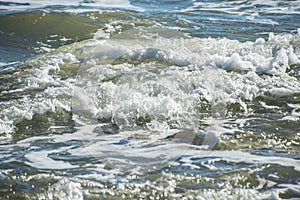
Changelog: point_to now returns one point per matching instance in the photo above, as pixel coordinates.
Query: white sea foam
(218, 70)
(39, 159)
(64, 189)
(249, 7)
(110, 170)
(170, 92)
(239, 156)
(52, 98)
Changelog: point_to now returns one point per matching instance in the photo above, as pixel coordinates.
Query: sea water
(147, 99)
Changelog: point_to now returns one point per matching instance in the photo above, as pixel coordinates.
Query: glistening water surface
(147, 99)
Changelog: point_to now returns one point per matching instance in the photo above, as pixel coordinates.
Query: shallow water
(149, 99)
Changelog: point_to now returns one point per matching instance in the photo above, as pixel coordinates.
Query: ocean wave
(149, 77)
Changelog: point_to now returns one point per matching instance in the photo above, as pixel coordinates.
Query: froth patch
(144, 76)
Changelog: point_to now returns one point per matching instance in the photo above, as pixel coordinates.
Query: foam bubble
(64, 189)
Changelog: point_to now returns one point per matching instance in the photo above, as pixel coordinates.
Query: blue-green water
(149, 99)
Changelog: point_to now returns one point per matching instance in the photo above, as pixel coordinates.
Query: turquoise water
(149, 99)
